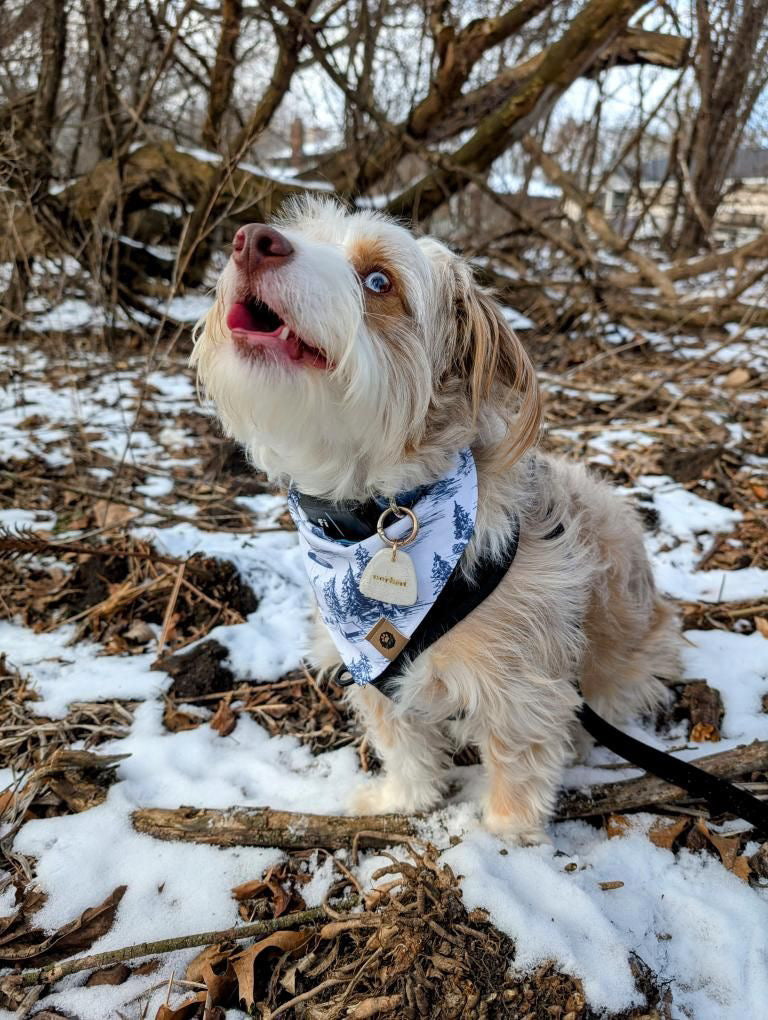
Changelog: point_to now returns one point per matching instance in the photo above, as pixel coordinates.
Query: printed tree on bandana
(332, 599)
(360, 669)
(441, 571)
(362, 558)
(350, 595)
(462, 528)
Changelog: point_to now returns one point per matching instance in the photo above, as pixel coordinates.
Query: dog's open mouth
(259, 331)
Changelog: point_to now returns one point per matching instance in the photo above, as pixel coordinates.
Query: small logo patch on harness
(387, 639)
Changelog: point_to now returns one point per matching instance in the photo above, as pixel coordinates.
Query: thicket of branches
(136, 134)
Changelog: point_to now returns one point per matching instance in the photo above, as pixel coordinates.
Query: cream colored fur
(430, 371)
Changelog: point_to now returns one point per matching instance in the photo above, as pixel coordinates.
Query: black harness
(459, 597)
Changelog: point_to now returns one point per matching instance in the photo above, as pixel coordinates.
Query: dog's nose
(257, 246)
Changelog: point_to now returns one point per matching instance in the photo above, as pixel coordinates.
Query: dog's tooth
(284, 333)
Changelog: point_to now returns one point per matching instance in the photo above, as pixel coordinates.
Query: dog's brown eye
(377, 282)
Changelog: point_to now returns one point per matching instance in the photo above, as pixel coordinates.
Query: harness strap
(457, 600)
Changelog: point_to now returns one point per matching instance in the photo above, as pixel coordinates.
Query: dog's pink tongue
(240, 317)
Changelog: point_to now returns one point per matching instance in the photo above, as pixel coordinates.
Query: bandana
(368, 633)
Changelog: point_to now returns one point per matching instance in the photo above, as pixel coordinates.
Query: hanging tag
(390, 577)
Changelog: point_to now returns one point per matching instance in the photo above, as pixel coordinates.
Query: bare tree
(731, 71)
(223, 74)
(446, 119)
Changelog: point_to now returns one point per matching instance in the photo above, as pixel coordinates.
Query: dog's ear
(493, 361)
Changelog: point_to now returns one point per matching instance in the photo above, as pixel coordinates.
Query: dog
(353, 360)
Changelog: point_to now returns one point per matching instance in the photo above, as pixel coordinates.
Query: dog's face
(348, 356)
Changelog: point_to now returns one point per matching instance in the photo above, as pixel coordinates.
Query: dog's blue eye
(378, 282)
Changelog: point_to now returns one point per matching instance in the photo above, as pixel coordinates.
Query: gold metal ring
(403, 511)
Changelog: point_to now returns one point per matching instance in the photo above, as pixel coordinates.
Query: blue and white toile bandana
(446, 512)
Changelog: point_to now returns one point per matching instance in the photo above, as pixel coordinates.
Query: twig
(48, 975)
(170, 607)
(306, 995)
(261, 826)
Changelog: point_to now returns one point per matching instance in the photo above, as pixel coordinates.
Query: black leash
(721, 794)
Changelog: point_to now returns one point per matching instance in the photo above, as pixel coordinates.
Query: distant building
(743, 212)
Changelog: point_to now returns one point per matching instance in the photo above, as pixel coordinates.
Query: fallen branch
(48, 975)
(594, 28)
(634, 47)
(260, 826)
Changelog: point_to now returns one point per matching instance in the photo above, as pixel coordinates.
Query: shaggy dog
(351, 359)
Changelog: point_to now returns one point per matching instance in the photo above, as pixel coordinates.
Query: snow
(690, 917)
(62, 672)
(699, 928)
(685, 518)
(714, 655)
(516, 319)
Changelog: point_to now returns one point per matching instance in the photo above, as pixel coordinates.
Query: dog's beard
(335, 431)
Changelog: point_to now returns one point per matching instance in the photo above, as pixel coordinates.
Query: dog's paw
(387, 796)
(517, 835)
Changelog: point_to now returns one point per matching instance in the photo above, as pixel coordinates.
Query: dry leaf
(224, 720)
(664, 835)
(107, 513)
(188, 1010)
(243, 963)
(7, 798)
(254, 890)
(702, 731)
(736, 377)
(727, 846)
(71, 938)
(761, 624)
(177, 721)
(209, 957)
(115, 975)
(741, 867)
(220, 986)
(611, 885)
(617, 825)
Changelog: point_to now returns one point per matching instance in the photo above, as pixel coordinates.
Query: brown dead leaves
(703, 707)
(245, 963)
(413, 951)
(688, 833)
(125, 595)
(277, 893)
(21, 943)
(203, 684)
(234, 978)
(696, 835)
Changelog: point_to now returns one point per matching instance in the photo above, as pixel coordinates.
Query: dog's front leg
(523, 779)
(412, 752)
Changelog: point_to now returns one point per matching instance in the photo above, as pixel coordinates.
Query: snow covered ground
(697, 926)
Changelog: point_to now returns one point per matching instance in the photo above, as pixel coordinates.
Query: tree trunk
(40, 141)
(730, 76)
(223, 75)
